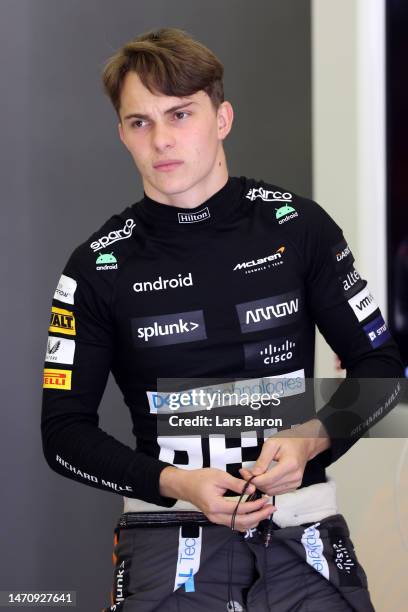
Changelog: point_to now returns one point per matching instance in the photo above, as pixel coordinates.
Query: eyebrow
(167, 112)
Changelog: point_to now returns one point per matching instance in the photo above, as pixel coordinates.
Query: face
(156, 128)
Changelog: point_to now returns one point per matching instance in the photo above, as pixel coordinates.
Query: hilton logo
(194, 217)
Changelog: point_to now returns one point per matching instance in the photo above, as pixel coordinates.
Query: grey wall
(64, 171)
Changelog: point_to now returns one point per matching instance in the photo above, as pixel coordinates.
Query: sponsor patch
(194, 217)
(114, 236)
(273, 354)
(313, 545)
(169, 329)
(65, 289)
(214, 396)
(344, 558)
(285, 213)
(106, 261)
(263, 263)
(57, 379)
(377, 332)
(269, 312)
(60, 350)
(62, 321)
(363, 304)
(351, 282)
(268, 195)
(188, 557)
(164, 283)
(342, 255)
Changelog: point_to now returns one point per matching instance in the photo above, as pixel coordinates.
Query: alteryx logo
(268, 196)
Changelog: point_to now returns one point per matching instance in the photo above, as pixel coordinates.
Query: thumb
(237, 484)
(267, 454)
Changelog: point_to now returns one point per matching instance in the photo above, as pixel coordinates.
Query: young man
(212, 276)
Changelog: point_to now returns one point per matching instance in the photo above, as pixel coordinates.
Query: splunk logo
(268, 195)
(269, 312)
(114, 236)
(164, 283)
(169, 329)
(265, 262)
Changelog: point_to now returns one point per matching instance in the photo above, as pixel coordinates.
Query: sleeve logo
(363, 304)
(60, 350)
(65, 289)
(62, 321)
(57, 379)
(114, 236)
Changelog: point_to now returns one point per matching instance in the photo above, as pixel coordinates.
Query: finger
(228, 506)
(236, 484)
(249, 521)
(268, 452)
(244, 522)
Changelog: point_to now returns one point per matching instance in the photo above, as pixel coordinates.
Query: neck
(194, 194)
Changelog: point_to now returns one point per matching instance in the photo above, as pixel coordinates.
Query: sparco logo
(194, 217)
(269, 312)
(169, 329)
(268, 196)
(160, 283)
(276, 258)
(114, 236)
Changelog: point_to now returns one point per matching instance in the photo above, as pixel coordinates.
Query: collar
(207, 214)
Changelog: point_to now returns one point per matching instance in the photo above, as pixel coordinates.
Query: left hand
(291, 452)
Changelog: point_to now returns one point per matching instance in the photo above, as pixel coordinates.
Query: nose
(162, 136)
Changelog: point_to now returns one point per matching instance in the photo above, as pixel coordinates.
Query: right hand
(205, 489)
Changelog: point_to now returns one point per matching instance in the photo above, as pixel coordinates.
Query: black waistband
(161, 519)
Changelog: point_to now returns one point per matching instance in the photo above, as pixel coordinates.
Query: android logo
(284, 210)
(105, 258)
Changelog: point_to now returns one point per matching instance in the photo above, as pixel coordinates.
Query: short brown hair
(167, 61)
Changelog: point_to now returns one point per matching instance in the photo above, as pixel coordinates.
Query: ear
(225, 117)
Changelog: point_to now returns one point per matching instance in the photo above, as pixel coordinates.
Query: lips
(167, 162)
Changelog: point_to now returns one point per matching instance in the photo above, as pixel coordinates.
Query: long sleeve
(79, 355)
(351, 322)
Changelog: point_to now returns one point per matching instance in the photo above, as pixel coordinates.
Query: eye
(181, 113)
(135, 123)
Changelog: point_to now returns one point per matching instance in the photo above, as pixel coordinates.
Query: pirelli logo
(57, 379)
(62, 321)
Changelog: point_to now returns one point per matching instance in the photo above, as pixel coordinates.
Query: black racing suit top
(230, 288)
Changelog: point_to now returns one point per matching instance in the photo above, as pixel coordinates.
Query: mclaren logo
(274, 257)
